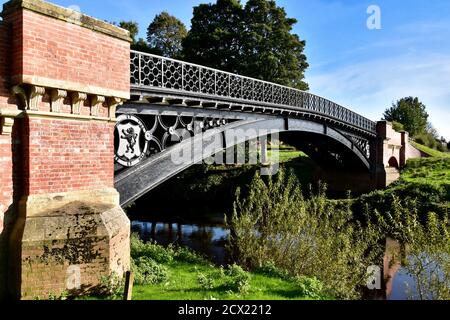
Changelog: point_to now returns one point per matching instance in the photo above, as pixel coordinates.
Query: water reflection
(209, 238)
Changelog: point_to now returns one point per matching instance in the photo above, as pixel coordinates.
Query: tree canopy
(411, 113)
(166, 34)
(255, 40)
(132, 27)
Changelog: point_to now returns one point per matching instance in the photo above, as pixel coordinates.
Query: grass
(434, 171)
(425, 180)
(183, 285)
(431, 152)
(286, 155)
(189, 276)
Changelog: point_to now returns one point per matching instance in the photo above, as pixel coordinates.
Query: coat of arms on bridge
(131, 140)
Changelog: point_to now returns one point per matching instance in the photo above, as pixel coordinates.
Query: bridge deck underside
(326, 140)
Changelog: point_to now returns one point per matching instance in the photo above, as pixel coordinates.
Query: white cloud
(370, 87)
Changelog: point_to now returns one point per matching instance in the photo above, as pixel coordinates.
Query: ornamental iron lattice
(138, 137)
(155, 73)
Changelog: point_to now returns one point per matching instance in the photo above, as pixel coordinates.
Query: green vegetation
(183, 275)
(234, 37)
(335, 241)
(409, 112)
(429, 151)
(285, 155)
(426, 181)
(165, 34)
(305, 236)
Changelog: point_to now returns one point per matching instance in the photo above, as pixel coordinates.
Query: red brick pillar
(68, 72)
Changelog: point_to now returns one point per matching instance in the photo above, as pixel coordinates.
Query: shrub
(237, 280)
(147, 271)
(205, 281)
(150, 250)
(270, 269)
(310, 287)
(112, 286)
(183, 254)
(304, 236)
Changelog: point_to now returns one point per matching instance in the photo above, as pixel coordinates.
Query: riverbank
(176, 273)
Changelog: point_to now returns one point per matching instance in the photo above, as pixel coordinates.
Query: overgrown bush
(150, 250)
(206, 282)
(147, 271)
(428, 259)
(238, 280)
(270, 269)
(430, 141)
(183, 254)
(311, 237)
(112, 286)
(310, 287)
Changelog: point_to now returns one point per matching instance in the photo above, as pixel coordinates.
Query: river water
(208, 236)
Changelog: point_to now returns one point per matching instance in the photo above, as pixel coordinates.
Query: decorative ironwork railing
(176, 77)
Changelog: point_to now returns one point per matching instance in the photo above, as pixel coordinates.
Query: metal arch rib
(135, 182)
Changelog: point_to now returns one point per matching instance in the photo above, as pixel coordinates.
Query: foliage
(238, 280)
(428, 260)
(188, 270)
(397, 126)
(166, 34)
(310, 287)
(150, 250)
(271, 51)
(270, 269)
(255, 40)
(112, 286)
(428, 140)
(206, 281)
(132, 27)
(147, 271)
(411, 113)
(183, 254)
(430, 152)
(312, 237)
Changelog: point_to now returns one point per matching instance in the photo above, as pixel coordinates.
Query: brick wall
(68, 56)
(66, 155)
(6, 103)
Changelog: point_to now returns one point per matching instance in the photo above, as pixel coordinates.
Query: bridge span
(173, 100)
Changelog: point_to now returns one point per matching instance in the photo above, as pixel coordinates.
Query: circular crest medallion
(130, 140)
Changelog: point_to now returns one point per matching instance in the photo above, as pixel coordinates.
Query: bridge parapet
(174, 79)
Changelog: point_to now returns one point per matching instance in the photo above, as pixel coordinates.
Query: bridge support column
(388, 154)
(67, 74)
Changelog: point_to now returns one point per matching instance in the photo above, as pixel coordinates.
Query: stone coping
(67, 15)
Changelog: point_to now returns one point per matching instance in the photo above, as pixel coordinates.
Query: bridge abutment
(62, 75)
(392, 152)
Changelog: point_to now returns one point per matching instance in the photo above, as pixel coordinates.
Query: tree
(431, 130)
(166, 34)
(140, 44)
(411, 113)
(271, 51)
(215, 38)
(255, 40)
(132, 27)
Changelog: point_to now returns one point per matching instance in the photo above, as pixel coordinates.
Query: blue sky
(365, 70)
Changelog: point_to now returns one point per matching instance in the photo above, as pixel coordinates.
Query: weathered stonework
(70, 249)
